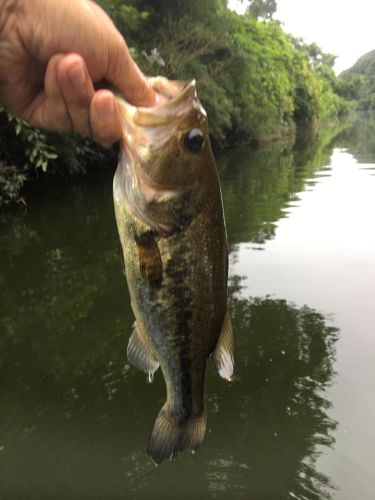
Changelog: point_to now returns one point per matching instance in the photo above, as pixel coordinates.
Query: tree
(263, 9)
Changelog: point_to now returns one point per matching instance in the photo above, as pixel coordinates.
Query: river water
(299, 421)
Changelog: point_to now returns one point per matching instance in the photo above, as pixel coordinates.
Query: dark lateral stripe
(182, 301)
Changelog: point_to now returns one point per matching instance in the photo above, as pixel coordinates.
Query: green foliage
(125, 15)
(37, 151)
(350, 87)
(364, 66)
(11, 182)
(358, 83)
(263, 9)
(26, 151)
(254, 80)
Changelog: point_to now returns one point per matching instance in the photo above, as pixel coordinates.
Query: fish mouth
(147, 129)
(181, 98)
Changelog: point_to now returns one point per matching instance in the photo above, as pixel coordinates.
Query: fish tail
(172, 434)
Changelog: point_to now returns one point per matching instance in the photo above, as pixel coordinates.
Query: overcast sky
(341, 27)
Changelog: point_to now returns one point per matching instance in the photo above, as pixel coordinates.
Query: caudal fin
(172, 434)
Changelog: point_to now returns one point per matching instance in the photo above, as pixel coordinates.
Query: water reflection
(358, 137)
(258, 185)
(285, 361)
(72, 407)
(267, 430)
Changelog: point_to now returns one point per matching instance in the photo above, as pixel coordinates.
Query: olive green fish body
(170, 219)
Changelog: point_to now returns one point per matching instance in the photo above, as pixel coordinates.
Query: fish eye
(194, 140)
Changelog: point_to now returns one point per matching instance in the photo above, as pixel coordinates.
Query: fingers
(48, 109)
(105, 118)
(78, 91)
(69, 103)
(92, 114)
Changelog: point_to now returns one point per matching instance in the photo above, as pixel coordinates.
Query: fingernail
(106, 107)
(77, 75)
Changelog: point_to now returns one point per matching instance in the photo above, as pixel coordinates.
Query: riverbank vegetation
(357, 83)
(256, 82)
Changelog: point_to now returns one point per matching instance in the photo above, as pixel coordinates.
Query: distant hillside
(358, 82)
(364, 66)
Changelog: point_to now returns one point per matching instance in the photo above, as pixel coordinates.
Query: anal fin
(140, 355)
(223, 354)
(150, 263)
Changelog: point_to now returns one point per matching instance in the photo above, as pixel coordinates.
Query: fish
(170, 219)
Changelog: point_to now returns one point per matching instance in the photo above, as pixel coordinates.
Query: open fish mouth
(151, 127)
(181, 96)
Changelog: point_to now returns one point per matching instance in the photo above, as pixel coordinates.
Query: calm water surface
(299, 424)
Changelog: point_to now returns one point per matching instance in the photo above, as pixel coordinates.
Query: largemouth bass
(170, 221)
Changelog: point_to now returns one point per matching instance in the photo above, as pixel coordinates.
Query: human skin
(52, 52)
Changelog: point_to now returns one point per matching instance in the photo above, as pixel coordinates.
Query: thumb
(126, 76)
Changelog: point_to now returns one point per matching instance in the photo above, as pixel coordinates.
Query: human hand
(52, 52)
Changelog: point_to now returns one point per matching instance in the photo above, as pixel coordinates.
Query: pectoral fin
(140, 355)
(150, 263)
(223, 354)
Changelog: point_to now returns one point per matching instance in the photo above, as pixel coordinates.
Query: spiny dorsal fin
(150, 263)
(140, 355)
(223, 354)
